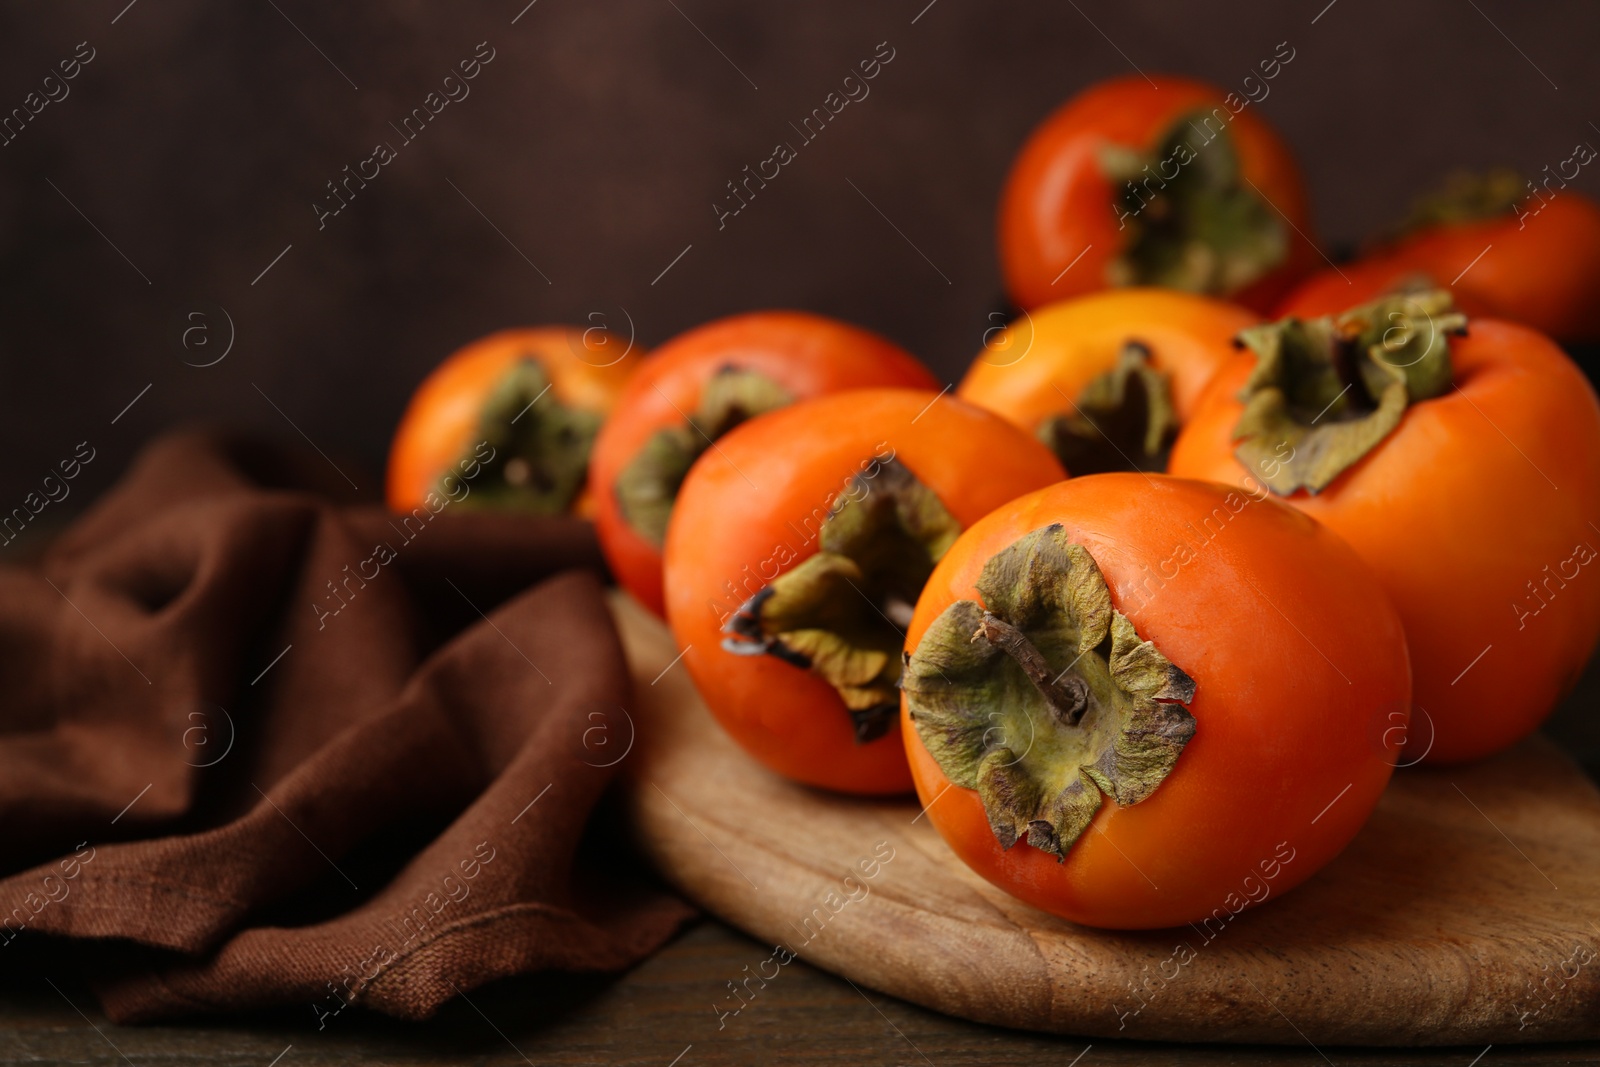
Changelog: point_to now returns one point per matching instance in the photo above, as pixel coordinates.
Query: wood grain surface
(658, 1014)
(1463, 913)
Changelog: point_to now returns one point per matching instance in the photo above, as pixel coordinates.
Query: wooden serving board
(1466, 912)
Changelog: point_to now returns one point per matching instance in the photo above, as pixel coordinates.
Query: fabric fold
(297, 750)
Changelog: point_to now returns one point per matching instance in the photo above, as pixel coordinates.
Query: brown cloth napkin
(271, 749)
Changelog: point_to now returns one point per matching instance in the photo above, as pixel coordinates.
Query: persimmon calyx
(1464, 197)
(1123, 419)
(648, 485)
(1193, 222)
(541, 446)
(841, 613)
(1325, 391)
(1063, 706)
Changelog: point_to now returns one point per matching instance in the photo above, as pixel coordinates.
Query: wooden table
(659, 1011)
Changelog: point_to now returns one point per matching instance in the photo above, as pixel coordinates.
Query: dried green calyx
(541, 446)
(1122, 420)
(1325, 391)
(1043, 698)
(1192, 220)
(648, 485)
(1464, 197)
(842, 613)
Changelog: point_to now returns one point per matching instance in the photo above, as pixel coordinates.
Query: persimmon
(700, 385)
(1137, 701)
(796, 551)
(1504, 249)
(1461, 460)
(1163, 182)
(534, 397)
(1106, 379)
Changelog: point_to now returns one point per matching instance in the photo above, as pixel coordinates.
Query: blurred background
(160, 212)
(171, 188)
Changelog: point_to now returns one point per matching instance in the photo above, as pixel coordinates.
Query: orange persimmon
(513, 416)
(1139, 701)
(1503, 249)
(796, 551)
(1106, 379)
(1164, 182)
(1459, 458)
(700, 385)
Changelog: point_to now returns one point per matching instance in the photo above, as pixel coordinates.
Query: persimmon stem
(536, 463)
(842, 612)
(1066, 694)
(1043, 755)
(1121, 420)
(1326, 391)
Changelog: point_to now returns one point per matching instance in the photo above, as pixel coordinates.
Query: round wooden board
(1464, 913)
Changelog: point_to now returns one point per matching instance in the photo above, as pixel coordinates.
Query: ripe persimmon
(535, 397)
(796, 551)
(1461, 459)
(1162, 182)
(1139, 701)
(1504, 249)
(700, 385)
(1106, 379)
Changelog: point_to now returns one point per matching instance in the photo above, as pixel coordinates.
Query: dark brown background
(596, 142)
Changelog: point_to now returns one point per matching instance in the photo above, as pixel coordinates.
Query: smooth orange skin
(1454, 513)
(1056, 202)
(1281, 728)
(1043, 360)
(439, 423)
(809, 355)
(1543, 272)
(769, 483)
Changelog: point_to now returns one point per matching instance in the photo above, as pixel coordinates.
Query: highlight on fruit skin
(508, 422)
(1106, 379)
(702, 384)
(1165, 181)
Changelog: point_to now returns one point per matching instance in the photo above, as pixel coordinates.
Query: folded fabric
(268, 747)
